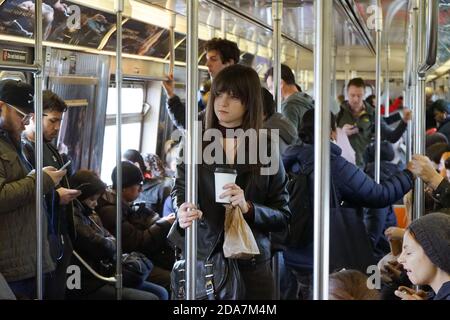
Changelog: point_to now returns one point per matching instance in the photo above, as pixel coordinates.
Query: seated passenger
(426, 256)
(98, 247)
(441, 112)
(157, 185)
(156, 190)
(142, 229)
(136, 158)
(351, 285)
(434, 138)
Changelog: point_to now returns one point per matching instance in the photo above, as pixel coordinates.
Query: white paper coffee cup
(223, 176)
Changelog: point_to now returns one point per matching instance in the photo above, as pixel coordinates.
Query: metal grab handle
(431, 37)
(21, 67)
(92, 271)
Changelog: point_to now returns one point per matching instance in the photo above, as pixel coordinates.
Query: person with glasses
(143, 230)
(59, 202)
(18, 194)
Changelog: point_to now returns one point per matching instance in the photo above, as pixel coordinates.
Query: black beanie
(131, 175)
(432, 232)
(88, 183)
(17, 93)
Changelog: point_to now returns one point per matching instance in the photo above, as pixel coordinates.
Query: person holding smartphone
(59, 203)
(18, 194)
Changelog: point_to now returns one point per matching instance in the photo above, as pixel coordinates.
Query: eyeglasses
(25, 117)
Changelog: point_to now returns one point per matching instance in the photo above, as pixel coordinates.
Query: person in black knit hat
(98, 247)
(426, 256)
(143, 230)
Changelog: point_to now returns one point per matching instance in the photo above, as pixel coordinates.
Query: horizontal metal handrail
(21, 67)
(92, 271)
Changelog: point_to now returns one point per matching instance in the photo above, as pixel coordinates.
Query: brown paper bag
(239, 242)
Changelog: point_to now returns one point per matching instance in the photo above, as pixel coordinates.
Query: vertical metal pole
(191, 139)
(412, 75)
(407, 84)
(119, 285)
(333, 107)
(170, 5)
(322, 93)
(173, 18)
(379, 26)
(386, 81)
(277, 12)
(419, 114)
(39, 138)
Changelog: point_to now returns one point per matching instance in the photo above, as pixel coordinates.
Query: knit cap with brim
(432, 232)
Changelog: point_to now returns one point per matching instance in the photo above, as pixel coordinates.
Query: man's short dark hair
(357, 82)
(441, 106)
(269, 105)
(286, 75)
(52, 102)
(435, 151)
(227, 49)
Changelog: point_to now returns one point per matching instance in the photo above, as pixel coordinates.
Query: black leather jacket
(267, 194)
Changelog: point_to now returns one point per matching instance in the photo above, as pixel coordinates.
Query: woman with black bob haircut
(235, 103)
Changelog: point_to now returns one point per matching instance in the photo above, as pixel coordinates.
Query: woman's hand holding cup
(237, 197)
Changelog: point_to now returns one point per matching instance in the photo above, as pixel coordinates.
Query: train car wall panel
(79, 76)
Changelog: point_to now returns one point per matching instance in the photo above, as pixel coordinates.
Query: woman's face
(229, 110)
(91, 202)
(418, 266)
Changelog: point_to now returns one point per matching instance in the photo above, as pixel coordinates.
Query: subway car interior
(355, 101)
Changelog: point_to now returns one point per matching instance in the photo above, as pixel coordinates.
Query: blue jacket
(378, 220)
(351, 183)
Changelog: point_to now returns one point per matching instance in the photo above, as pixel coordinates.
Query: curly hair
(155, 165)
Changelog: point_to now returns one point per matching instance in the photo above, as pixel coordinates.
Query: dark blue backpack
(301, 226)
(300, 231)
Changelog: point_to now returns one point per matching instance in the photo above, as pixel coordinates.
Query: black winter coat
(95, 245)
(267, 193)
(142, 230)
